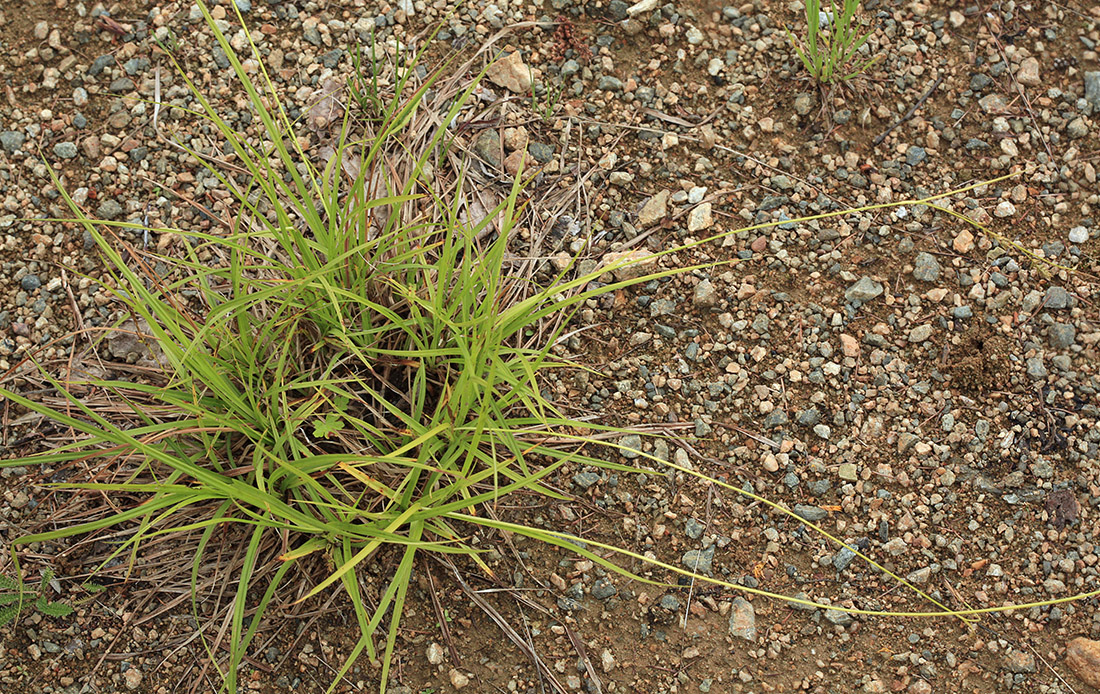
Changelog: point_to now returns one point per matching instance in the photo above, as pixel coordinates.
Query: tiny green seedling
(13, 597)
(828, 50)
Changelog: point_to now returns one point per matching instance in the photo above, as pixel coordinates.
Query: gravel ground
(926, 391)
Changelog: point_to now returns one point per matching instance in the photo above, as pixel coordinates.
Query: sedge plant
(831, 42)
(350, 377)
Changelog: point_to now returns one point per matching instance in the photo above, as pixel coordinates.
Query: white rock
(641, 7)
(1029, 73)
(1005, 209)
(654, 210)
(459, 679)
(435, 653)
(607, 661)
(700, 218)
(132, 678)
(1078, 235)
(511, 73)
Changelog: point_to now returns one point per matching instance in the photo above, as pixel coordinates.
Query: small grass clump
(347, 375)
(832, 42)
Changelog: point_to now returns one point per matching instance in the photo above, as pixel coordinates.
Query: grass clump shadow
(353, 367)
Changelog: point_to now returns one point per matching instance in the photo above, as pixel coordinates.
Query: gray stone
(609, 83)
(705, 294)
(603, 589)
(100, 64)
(802, 595)
(915, 155)
(541, 151)
(487, 147)
(693, 529)
(838, 618)
(803, 104)
(775, 418)
(810, 417)
(980, 81)
(1035, 368)
(920, 333)
(631, 446)
(1062, 335)
(1057, 298)
(122, 85)
(812, 514)
(843, 558)
(863, 290)
(743, 620)
(109, 209)
(65, 150)
(584, 480)
(699, 560)
(30, 283)
(1092, 88)
(618, 10)
(1077, 129)
(12, 141)
(926, 268)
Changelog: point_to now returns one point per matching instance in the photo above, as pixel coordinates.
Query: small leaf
(93, 588)
(7, 583)
(55, 609)
(8, 613)
(331, 424)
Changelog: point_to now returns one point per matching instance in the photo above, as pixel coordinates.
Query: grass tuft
(831, 42)
(346, 377)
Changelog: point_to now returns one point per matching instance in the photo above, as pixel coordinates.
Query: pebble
(863, 290)
(705, 294)
(65, 150)
(1062, 335)
(1057, 298)
(459, 679)
(642, 7)
(1078, 234)
(132, 678)
(700, 218)
(487, 147)
(839, 618)
(511, 73)
(12, 141)
(1019, 661)
(812, 514)
(920, 333)
(926, 268)
(699, 560)
(1092, 88)
(803, 104)
(434, 653)
(964, 242)
(1028, 74)
(742, 623)
(654, 210)
(631, 446)
(1083, 657)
